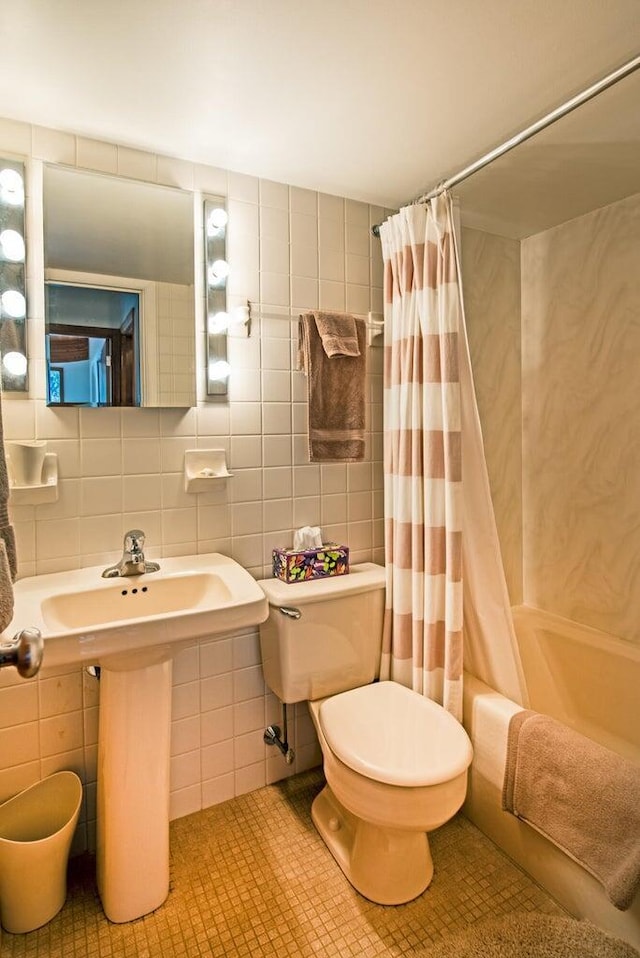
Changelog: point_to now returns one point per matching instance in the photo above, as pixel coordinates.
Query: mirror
(119, 291)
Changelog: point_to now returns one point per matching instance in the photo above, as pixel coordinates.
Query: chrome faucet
(133, 561)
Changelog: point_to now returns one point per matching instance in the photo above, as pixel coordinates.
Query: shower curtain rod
(598, 87)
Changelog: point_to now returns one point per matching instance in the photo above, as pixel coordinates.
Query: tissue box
(299, 565)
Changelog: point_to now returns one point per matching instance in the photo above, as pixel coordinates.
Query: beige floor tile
(252, 877)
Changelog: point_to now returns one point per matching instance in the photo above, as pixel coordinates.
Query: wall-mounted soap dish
(33, 473)
(203, 467)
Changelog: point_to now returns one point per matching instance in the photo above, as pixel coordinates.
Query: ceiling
(363, 98)
(588, 159)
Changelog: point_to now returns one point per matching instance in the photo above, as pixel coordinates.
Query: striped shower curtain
(422, 644)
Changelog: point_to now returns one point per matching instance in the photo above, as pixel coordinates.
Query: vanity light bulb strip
(13, 303)
(217, 271)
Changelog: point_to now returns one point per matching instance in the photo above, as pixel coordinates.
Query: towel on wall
(338, 333)
(336, 385)
(580, 795)
(8, 558)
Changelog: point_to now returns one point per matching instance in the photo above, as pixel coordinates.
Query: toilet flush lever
(290, 611)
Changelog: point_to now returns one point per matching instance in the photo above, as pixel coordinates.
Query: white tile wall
(290, 250)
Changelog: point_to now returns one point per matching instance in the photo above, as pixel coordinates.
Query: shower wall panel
(491, 283)
(581, 406)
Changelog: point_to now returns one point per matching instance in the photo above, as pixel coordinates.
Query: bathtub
(588, 680)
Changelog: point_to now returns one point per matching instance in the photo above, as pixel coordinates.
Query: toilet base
(389, 866)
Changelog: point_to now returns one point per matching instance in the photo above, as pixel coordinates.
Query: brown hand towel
(338, 333)
(580, 795)
(8, 559)
(335, 393)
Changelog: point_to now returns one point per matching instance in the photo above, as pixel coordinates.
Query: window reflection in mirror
(119, 273)
(92, 344)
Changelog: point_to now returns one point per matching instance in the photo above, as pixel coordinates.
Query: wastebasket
(36, 828)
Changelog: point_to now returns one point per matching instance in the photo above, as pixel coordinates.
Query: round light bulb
(12, 246)
(219, 322)
(219, 371)
(218, 272)
(241, 315)
(15, 363)
(11, 187)
(217, 221)
(13, 303)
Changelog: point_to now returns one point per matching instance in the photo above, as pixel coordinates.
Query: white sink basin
(132, 622)
(175, 593)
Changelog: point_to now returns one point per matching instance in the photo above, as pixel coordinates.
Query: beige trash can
(36, 828)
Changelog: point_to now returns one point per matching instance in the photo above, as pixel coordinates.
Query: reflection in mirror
(13, 303)
(119, 302)
(92, 346)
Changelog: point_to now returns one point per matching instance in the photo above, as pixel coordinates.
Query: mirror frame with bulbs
(13, 308)
(13, 298)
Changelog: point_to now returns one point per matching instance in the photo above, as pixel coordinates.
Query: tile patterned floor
(251, 877)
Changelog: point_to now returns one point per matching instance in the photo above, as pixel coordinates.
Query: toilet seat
(391, 734)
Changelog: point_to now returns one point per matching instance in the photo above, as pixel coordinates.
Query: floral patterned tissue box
(299, 565)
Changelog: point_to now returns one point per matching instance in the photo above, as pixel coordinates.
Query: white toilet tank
(323, 636)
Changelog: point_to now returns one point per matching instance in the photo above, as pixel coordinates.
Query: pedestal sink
(132, 627)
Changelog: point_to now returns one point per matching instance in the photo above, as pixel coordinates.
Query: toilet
(395, 762)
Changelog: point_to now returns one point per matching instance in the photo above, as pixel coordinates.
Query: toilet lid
(391, 734)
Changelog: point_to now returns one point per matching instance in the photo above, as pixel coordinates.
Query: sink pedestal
(133, 790)
(132, 627)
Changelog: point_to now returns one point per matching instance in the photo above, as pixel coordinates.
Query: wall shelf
(37, 493)
(204, 468)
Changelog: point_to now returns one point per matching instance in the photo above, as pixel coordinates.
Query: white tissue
(308, 537)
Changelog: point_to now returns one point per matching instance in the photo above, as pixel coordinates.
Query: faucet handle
(134, 540)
